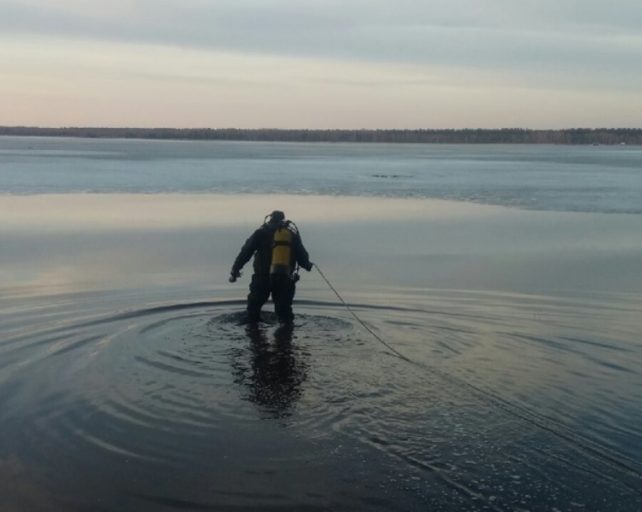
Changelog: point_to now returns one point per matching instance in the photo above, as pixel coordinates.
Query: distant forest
(609, 136)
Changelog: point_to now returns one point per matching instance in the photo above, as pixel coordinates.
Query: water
(128, 380)
(561, 178)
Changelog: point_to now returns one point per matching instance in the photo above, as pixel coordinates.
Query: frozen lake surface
(561, 178)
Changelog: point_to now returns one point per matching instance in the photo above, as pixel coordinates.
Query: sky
(321, 63)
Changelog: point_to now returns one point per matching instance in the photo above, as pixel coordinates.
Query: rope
(541, 421)
(363, 324)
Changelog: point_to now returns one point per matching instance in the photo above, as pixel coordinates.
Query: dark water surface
(507, 402)
(129, 382)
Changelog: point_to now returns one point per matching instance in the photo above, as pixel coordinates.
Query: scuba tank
(281, 262)
(282, 257)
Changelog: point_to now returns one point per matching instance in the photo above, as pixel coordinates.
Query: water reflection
(271, 370)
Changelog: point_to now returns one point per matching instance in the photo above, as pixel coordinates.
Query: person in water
(277, 250)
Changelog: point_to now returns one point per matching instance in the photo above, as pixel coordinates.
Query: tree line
(609, 136)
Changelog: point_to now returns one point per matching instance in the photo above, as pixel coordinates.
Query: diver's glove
(309, 266)
(234, 275)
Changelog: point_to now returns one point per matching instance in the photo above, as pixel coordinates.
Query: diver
(278, 252)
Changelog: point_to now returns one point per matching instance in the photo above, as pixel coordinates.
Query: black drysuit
(281, 286)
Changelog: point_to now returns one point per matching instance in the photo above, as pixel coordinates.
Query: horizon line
(266, 128)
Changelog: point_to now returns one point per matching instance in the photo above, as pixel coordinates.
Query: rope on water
(363, 324)
(541, 421)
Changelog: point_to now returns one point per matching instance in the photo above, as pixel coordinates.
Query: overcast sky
(321, 63)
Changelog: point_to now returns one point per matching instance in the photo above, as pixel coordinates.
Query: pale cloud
(311, 63)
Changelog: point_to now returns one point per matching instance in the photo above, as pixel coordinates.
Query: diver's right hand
(234, 275)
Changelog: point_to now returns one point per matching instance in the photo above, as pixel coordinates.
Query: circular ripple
(191, 386)
(168, 373)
